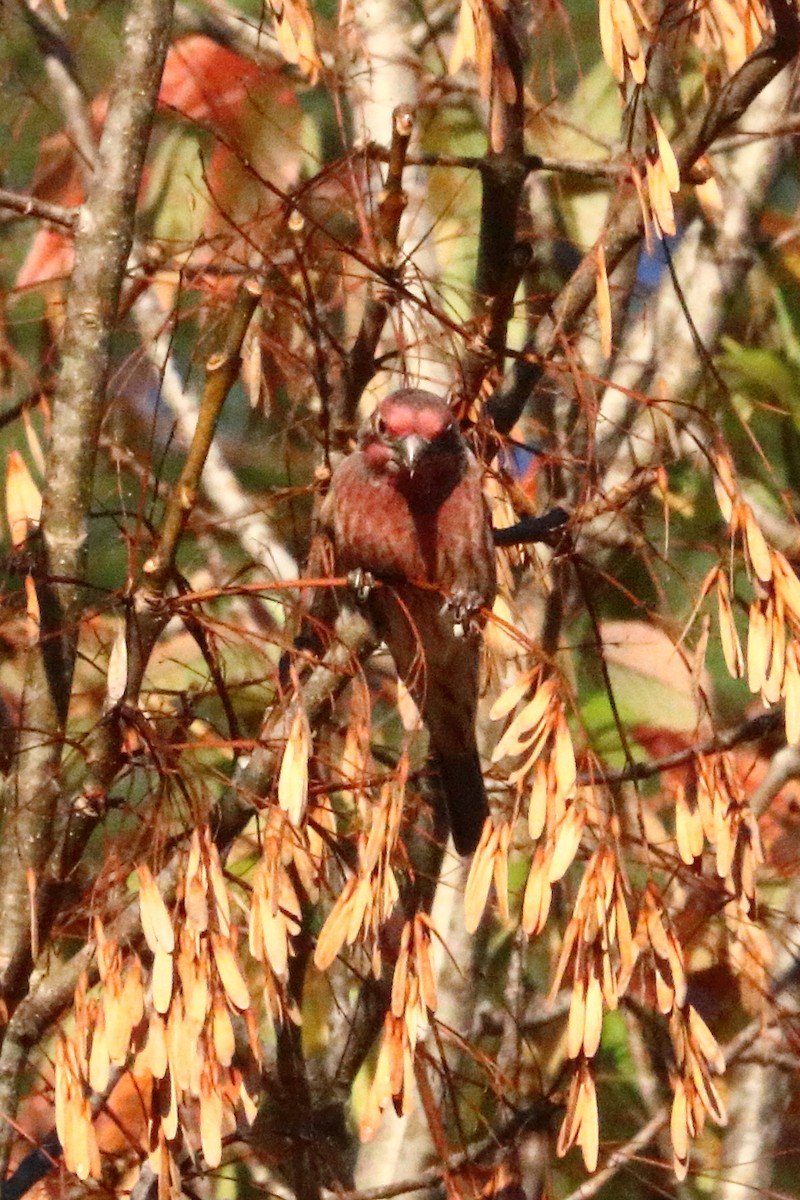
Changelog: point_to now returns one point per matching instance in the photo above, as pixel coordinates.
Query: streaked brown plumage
(408, 505)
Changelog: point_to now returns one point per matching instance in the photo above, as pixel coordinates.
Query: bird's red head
(411, 431)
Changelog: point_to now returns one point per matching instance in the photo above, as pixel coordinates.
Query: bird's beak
(411, 448)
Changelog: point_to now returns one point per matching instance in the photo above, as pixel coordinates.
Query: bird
(406, 510)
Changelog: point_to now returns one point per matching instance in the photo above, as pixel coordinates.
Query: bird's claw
(464, 608)
(362, 582)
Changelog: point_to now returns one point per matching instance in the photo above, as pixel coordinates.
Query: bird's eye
(380, 426)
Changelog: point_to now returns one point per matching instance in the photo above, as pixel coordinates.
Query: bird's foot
(464, 608)
(362, 582)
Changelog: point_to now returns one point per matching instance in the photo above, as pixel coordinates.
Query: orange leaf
(23, 499)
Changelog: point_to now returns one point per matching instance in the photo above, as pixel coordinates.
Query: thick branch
(380, 299)
(102, 245)
(105, 232)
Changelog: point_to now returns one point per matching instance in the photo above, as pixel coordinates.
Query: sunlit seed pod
(629, 34)
(290, 907)
(211, 1126)
(707, 1092)
(566, 772)
(725, 487)
(537, 802)
(179, 1064)
(757, 550)
(255, 926)
(556, 804)
(656, 932)
(589, 1136)
(378, 833)
(396, 1047)
(675, 958)
(230, 975)
(759, 646)
(666, 154)
(567, 840)
(665, 996)
(196, 904)
(61, 1088)
(361, 908)
(611, 41)
(660, 197)
(293, 774)
(479, 879)
(678, 1036)
(117, 673)
(678, 1127)
(587, 907)
(156, 921)
(509, 699)
(220, 891)
(133, 993)
(196, 995)
(688, 829)
(276, 943)
(593, 1019)
(425, 971)
(628, 951)
(334, 931)
(749, 861)
(534, 751)
(607, 920)
(696, 1109)
(391, 893)
(414, 1014)
(725, 849)
(787, 582)
(608, 981)
(121, 1019)
(162, 979)
(224, 1040)
(570, 938)
(77, 1135)
(99, 1065)
(570, 1124)
(309, 860)
(577, 1018)
(706, 788)
(529, 722)
(249, 1105)
(538, 895)
(705, 1041)
(106, 949)
(731, 646)
(194, 866)
(157, 1046)
(400, 977)
(500, 870)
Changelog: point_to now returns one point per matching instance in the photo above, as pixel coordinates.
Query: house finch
(407, 506)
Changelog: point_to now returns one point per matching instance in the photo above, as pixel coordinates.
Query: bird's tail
(465, 796)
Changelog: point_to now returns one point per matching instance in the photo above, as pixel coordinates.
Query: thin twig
(40, 210)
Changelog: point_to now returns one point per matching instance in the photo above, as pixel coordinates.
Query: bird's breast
(374, 528)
